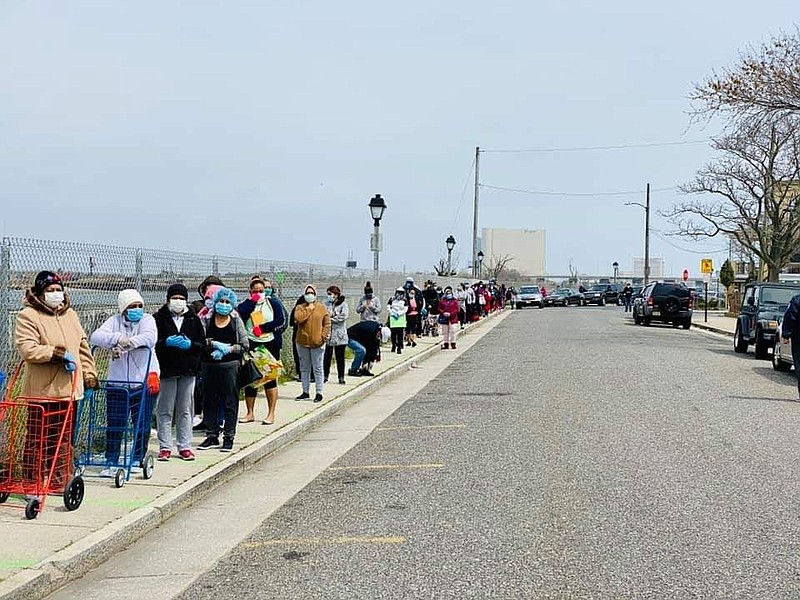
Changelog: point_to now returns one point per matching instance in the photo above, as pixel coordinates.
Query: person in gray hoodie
(369, 307)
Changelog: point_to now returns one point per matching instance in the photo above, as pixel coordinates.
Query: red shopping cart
(36, 448)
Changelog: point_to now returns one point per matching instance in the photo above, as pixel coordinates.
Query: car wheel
(777, 362)
(518, 306)
(566, 302)
(762, 348)
(671, 305)
(739, 343)
(602, 302)
(636, 319)
(687, 323)
(646, 321)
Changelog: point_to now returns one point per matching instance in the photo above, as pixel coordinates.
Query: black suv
(602, 294)
(763, 305)
(665, 302)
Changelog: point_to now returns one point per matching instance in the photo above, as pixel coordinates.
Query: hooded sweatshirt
(132, 365)
(313, 323)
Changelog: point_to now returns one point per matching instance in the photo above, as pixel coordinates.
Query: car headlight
(772, 324)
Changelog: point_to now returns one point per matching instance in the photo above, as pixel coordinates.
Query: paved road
(568, 454)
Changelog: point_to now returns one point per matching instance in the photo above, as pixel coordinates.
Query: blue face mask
(223, 309)
(209, 303)
(449, 296)
(267, 292)
(134, 315)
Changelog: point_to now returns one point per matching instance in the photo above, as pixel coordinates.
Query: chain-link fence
(94, 273)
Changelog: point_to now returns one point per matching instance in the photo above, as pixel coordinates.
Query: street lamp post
(480, 263)
(377, 206)
(615, 264)
(450, 242)
(646, 207)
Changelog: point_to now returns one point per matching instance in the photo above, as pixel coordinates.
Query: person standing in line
(131, 336)
(470, 302)
(264, 318)
(413, 316)
(293, 324)
(226, 340)
(364, 339)
(181, 341)
(207, 289)
(51, 340)
(461, 296)
(339, 313)
(448, 318)
(369, 307)
(397, 319)
(313, 331)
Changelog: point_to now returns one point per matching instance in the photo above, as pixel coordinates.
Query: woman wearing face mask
(226, 339)
(339, 313)
(398, 308)
(181, 340)
(131, 337)
(50, 339)
(413, 316)
(369, 307)
(448, 318)
(263, 315)
(313, 331)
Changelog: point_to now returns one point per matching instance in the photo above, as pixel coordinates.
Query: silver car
(782, 354)
(529, 295)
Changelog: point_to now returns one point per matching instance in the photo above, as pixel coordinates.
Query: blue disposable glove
(172, 341)
(184, 343)
(222, 347)
(88, 395)
(217, 354)
(69, 362)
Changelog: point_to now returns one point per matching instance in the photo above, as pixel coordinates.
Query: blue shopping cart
(112, 430)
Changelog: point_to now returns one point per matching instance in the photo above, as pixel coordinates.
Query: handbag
(442, 320)
(248, 372)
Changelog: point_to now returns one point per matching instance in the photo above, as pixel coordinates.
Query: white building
(656, 268)
(525, 247)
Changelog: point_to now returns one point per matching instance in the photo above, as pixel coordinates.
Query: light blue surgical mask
(449, 296)
(267, 292)
(134, 315)
(310, 298)
(223, 308)
(209, 303)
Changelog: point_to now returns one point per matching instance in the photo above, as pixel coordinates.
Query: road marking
(377, 467)
(459, 426)
(326, 541)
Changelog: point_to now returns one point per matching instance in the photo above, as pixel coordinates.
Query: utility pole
(475, 212)
(647, 237)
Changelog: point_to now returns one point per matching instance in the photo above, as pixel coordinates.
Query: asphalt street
(567, 454)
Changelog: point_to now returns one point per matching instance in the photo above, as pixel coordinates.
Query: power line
(573, 194)
(682, 249)
(598, 148)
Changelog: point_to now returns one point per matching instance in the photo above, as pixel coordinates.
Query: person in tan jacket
(313, 332)
(50, 339)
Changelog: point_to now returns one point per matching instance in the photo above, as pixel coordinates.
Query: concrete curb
(80, 557)
(705, 327)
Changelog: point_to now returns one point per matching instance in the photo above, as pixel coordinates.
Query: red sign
(686, 274)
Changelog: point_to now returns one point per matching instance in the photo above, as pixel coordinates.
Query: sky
(264, 128)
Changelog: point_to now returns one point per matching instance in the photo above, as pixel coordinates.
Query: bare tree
(764, 85)
(496, 265)
(750, 193)
(440, 267)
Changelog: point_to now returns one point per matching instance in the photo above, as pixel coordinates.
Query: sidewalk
(41, 555)
(717, 322)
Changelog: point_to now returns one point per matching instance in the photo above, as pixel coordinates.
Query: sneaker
(227, 445)
(209, 442)
(303, 396)
(318, 398)
(186, 454)
(197, 420)
(352, 373)
(366, 373)
(453, 346)
(200, 426)
(164, 455)
(445, 346)
(108, 472)
(342, 381)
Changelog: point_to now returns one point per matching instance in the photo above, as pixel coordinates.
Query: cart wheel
(148, 466)
(32, 508)
(4, 496)
(73, 493)
(119, 478)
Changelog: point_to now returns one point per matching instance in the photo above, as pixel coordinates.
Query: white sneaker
(196, 420)
(108, 472)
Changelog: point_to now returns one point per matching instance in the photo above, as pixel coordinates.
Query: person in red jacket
(448, 318)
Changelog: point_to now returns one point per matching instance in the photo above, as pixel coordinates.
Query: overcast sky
(263, 128)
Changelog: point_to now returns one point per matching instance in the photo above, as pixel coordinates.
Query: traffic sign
(685, 275)
(706, 265)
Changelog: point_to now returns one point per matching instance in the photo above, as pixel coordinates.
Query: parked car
(782, 355)
(665, 302)
(529, 295)
(564, 297)
(602, 294)
(763, 305)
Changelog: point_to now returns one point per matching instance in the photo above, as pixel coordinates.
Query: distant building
(656, 268)
(525, 247)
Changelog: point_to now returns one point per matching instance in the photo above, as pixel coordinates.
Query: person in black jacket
(293, 325)
(365, 340)
(181, 340)
(790, 330)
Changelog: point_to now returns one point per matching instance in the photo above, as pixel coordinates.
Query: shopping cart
(36, 448)
(112, 430)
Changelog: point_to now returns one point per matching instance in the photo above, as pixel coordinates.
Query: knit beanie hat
(44, 279)
(177, 289)
(368, 288)
(128, 297)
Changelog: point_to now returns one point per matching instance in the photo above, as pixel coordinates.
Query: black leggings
(326, 360)
(397, 337)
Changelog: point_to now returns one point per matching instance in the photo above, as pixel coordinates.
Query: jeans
(311, 359)
(175, 398)
(627, 302)
(121, 405)
(359, 351)
(220, 393)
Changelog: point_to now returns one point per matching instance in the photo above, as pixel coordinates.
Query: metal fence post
(5, 312)
(139, 269)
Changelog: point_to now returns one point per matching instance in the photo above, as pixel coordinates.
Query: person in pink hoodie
(448, 318)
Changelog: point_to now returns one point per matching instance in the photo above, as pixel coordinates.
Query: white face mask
(177, 306)
(53, 299)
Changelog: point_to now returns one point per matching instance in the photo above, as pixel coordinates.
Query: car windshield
(777, 296)
(597, 288)
(528, 290)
